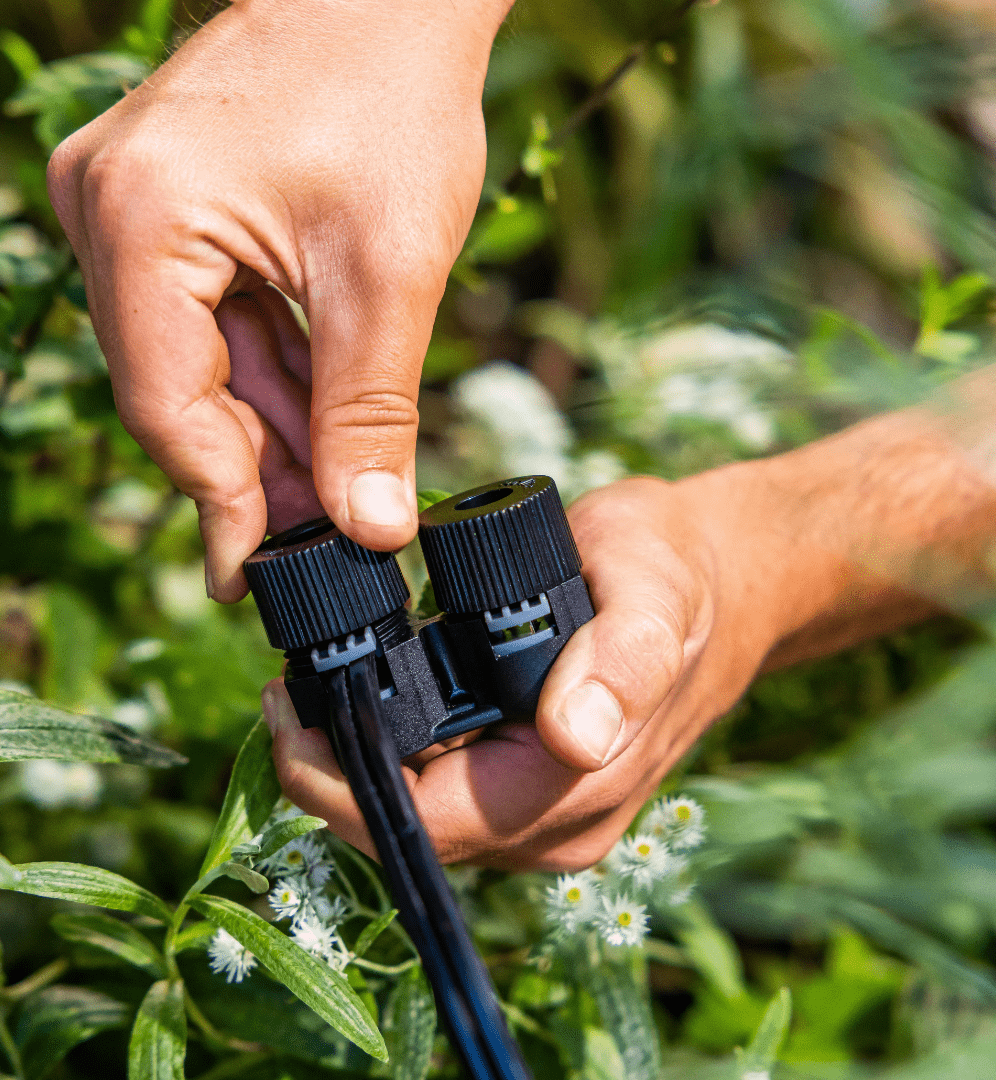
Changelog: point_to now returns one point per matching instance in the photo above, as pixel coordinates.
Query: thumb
(651, 622)
(367, 353)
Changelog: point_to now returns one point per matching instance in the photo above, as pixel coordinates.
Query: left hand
(684, 618)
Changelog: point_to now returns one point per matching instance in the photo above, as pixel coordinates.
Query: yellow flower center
(294, 857)
(574, 895)
(643, 850)
(683, 813)
(286, 896)
(624, 918)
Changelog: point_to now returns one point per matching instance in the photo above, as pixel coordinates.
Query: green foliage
(781, 172)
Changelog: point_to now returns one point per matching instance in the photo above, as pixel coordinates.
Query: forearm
(872, 529)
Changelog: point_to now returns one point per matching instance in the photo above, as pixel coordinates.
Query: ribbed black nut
(312, 584)
(498, 544)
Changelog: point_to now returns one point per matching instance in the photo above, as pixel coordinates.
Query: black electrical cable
(427, 908)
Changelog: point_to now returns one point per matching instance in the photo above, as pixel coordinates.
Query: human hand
(689, 595)
(335, 150)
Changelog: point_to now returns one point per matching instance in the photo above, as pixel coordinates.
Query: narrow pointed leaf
(760, 1056)
(410, 1026)
(285, 831)
(113, 936)
(372, 931)
(31, 729)
(323, 990)
(195, 936)
(57, 1018)
(238, 871)
(88, 885)
(252, 792)
(9, 874)
(159, 1038)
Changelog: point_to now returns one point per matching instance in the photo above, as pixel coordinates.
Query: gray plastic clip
(337, 656)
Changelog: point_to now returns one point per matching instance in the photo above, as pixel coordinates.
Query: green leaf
(625, 1010)
(252, 793)
(159, 1038)
(21, 54)
(88, 885)
(711, 950)
(325, 991)
(760, 1056)
(31, 729)
(372, 931)
(9, 874)
(429, 497)
(112, 936)
(195, 936)
(238, 871)
(284, 832)
(410, 1026)
(57, 1018)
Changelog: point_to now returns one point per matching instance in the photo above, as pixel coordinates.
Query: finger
(308, 772)
(367, 351)
(651, 620)
(290, 493)
(258, 375)
(295, 349)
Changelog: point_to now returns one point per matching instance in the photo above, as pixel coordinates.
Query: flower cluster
(649, 865)
(300, 872)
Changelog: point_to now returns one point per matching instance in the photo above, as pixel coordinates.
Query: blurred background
(779, 220)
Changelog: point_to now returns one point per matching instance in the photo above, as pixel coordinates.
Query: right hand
(336, 150)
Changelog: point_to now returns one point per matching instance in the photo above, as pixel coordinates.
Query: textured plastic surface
(313, 584)
(498, 544)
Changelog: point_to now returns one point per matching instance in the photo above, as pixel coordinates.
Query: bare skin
(697, 586)
(336, 150)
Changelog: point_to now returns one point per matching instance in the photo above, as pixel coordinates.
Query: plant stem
(662, 953)
(212, 1034)
(600, 93)
(10, 1047)
(42, 977)
(385, 969)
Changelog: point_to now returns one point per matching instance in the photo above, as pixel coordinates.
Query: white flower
(644, 859)
(333, 912)
(320, 940)
(286, 899)
(230, 957)
(135, 713)
(303, 857)
(54, 784)
(573, 901)
(621, 921)
(679, 822)
(682, 895)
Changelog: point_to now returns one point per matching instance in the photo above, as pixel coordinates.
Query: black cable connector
(504, 567)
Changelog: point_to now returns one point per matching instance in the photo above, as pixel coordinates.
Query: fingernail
(593, 717)
(379, 498)
(209, 581)
(277, 709)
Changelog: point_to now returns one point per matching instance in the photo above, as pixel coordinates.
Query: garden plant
(708, 232)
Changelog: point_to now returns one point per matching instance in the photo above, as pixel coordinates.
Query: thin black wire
(427, 908)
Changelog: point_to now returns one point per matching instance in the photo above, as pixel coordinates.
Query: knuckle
(375, 409)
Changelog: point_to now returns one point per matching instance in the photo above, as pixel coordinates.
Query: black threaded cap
(312, 584)
(497, 544)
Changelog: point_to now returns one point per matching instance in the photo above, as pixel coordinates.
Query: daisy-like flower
(286, 899)
(621, 921)
(573, 901)
(331, 912)
(303, 857)
(229, 957)
(314, 937)
(644, 859)
(679, 822)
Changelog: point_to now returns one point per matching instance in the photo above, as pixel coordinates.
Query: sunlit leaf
(87, 885)
(314, 982)
(112, 936)
(409, 1026)
(29, 728)
(159, 1038)
(252, 793)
